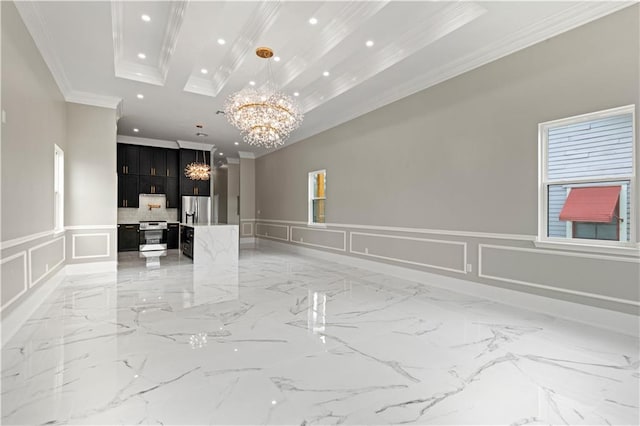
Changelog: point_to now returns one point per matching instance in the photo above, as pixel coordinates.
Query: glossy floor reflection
(285, 339)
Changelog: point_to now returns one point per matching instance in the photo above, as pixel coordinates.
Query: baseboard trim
(597, 317)
(15, 319)
(91, 267)
(247, 241)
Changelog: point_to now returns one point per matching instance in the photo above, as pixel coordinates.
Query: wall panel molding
(25, 284)
(33, 282)
(482, 274)
(462, 244)
(97, 234)
(27, 238)
(247, 233)
(316, 229)
(266, 233)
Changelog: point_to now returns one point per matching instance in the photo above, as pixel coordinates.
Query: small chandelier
(264, 116)
(198, 171)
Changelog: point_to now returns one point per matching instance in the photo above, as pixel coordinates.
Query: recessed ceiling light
(140, 96)
(296, 94)
(236, 143)
(326, 73)
(221, 153)
(146, 18)
(142, 55)
(204, 71)
(369, 43)
(136, 130)
(252, 83)
(276, 58)
(313, 21)
(221, 41)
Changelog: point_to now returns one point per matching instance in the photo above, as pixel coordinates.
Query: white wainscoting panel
(322, 230)
(482, 256)
(262, 230)
(20, 260)
(107, 246)
(462, 259)
(248, 233)
(33, 282)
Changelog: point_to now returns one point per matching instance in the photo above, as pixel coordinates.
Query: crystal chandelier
(198, 171)
(264, 116)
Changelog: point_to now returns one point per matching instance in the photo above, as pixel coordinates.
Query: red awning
(592, 204)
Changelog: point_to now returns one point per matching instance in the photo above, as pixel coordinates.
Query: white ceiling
(92, 50)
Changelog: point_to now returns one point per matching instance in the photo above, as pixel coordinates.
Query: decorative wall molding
(98, 234)
(231, 160)
(33, 282)
(344, 234)
(247, 233)
(266, 234)
(86, 98)
(481, 274)
(470, 234)
(25, 284)
(89, 227)
(22, 240)
(410, 262)
(603, 318)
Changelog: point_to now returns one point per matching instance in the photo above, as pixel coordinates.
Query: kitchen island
(210, 244)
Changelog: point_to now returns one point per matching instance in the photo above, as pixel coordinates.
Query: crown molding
(246, 154)
(87, 98)
(133, 140)
(199, 146)
(231, 160)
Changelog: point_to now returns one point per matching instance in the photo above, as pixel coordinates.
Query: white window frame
(310, 221)
(58, 189)
(600, 246)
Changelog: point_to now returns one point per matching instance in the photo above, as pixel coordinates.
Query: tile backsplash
(143, 213)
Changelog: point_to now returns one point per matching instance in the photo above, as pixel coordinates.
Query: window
(317, 196)
(58, 188)
(588, 179)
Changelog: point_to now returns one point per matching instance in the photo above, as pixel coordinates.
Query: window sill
(317, 225)
(629, 249)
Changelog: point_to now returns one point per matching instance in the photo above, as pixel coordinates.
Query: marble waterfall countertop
(215, 244)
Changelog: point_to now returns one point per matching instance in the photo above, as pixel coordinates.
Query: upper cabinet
(173, 169)
(153, 161)
(128, 159)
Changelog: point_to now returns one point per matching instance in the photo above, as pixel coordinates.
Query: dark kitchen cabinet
(193, 187)
(128, 191)
(128, 237)
(173, 169)
(173, 194)
(128, 159)
(153, 161)
(173, 230)
(152, 185)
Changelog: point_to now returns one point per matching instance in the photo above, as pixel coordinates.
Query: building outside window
(317, 196)
(58, 188)
(588, 178)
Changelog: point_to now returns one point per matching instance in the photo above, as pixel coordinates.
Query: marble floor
(286, 339)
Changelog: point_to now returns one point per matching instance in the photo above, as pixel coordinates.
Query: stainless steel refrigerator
(196, 210)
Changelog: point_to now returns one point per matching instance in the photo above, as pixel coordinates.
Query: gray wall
(221, 192)
(247, 197)
(436, 172)
(35, 121)
(233, 192)
(91, 184)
